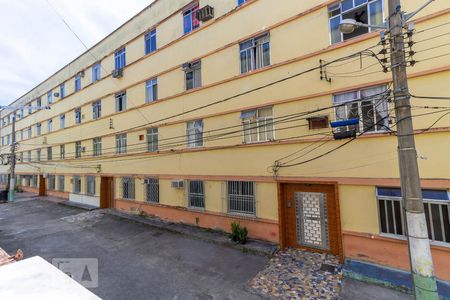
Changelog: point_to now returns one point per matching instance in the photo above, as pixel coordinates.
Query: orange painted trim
(261, 229)
(391, 252)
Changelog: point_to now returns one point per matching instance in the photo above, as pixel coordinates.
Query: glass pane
(398, 217)
(437, 225)
(266, 54)
(376, 13)
(346, 5)
(446, 219)
(427, 217)
(390, 217)
(189, 80)
(244, 66)
(359, 2)
(335, 33)
(381, 204)
(367, 117)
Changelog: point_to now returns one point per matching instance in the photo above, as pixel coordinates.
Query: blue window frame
(190, 20)
(62, 90)
(49, 97)
(150, 41)
(240, 2)
(96, 72)
(77, 83)
(120, 59)
(151, 90)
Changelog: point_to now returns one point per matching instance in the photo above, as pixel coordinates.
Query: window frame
(77, 83)
(78, 115)
(128, 182)
(254, 123)
(198, 196)
(77, 185)
(61, 183)
(78, 149)
(62, 152)
(62, 121)
(152, 136)
(97, 109)
(251, 50)
(150, 42)
(121, 98)
(151, 88)
(97, 146)
(239, 185)
(195, 69)
(120, 59)
(191, 13)
(194, 128)
(96, 72)
(121, 143)
(151, 190)
(90, 185)
(62, 90)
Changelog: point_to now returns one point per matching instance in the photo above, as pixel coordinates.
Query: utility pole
(418, 242)
(12, 170)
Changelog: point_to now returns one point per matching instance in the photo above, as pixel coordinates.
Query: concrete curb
(207, 235)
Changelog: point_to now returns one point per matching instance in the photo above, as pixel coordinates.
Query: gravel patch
(299, 274)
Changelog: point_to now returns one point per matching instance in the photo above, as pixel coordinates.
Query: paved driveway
(135, 261)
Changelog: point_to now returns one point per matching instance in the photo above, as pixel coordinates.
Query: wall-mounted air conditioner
(178, 184)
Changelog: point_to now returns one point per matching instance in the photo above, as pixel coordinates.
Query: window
(21, 157)
(38, 129)
(120, 59)
(49, 125)
(121, 143)
(255, 53)
(77, 83)
(128, 188)
(76, 184)
(241, 197)
(38, 102)
(90, 185)
(97, 146)
(258, 125)
(152, 190)
(190, 20)
(29, 156)
(61, 183)
(78, 149)
(196, 194)
(29, 132)
(150, 41)
(240, 2)
(96, 72)
(49, 153)
(34, 181)
(8, 139)
(38, 154)
(364, 11)
(369, 105)
(21, 113)
(193, 75)
(121, 101)
(51, 182)
(152, 139)
(62, 151)
(195, 133)
(49, 98)
(62, 90)
(151, 90)
(62, 121)
(21, 135)
(78, 115)
(437, 212)
(97, 109)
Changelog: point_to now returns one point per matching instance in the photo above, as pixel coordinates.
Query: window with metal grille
(61, 183)
(152, 190)
(120, 59)
(128, 188)
(97, 146)
(193, 75)
(190, 20)
(121, 143)
(196, 194)
(364, 11)
(258, 125)
(255, 53)
(90, 185)
(437, 213)
(241, 197)
(34, 181)
(370, 106)
(78, 149)
(62, 151)
(77, 184)
(152, 139)
(97, 109)
(194, 133)
(49, 153)
(151, 90)
(121, 102)
(51, 182)
(78, 115)
(150, 41)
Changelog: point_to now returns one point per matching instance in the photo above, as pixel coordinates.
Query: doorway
(309, 217)
(41, 185)
(106, 192)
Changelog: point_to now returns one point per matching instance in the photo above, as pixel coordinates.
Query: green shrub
(238, 233)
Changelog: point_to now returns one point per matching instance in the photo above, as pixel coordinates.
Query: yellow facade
(299, 38)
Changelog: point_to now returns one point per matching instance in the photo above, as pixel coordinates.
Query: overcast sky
(35, 43)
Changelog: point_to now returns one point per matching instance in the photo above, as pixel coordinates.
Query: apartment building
(215, 111)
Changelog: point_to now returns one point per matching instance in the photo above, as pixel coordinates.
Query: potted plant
(238, 234)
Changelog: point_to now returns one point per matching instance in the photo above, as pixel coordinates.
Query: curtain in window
(262, 57)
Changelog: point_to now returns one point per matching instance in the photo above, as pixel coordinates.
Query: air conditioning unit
(205, 13)
(56, 94)
(178, 184)
(81, 74)
(117, 73)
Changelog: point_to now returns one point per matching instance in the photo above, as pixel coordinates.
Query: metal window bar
(90, 185)
(77, 184)
(152, 139)
(151, 190)
(196, 194)
(241, 197)
(128, 188)
(61, 183)
(51, 182)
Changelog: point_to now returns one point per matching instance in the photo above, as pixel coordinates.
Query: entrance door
(106, 192)
(41, 185)
(310, 215)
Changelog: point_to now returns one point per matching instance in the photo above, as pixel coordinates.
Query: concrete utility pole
(12, 179)
(417, 234)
